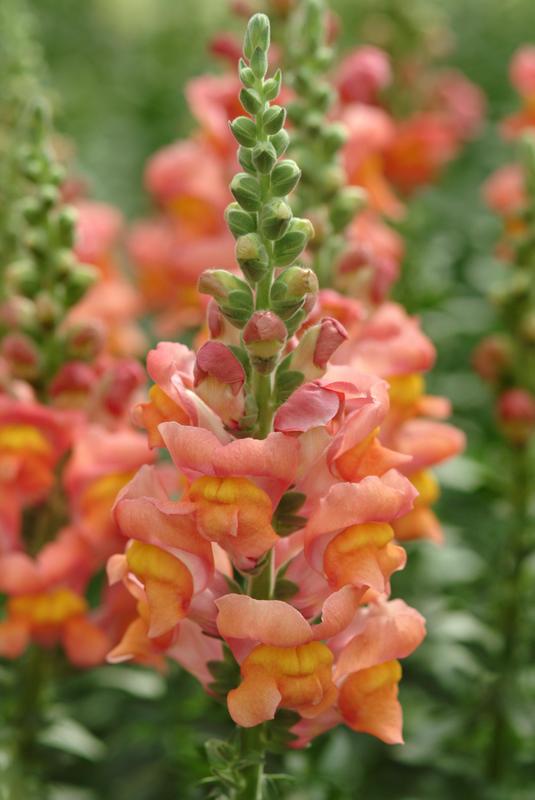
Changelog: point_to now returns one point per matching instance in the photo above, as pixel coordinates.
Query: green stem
(27, 718)
(252, 750)
(510, 622)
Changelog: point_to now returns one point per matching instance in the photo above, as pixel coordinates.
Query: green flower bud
(257, 35)
(295, 283)
(264, 157)
(273, 119)
(21, 278)
(246, 74)
(238, 220)
(66, 225)
(284, 178)
(346, 205)
(289, 292)
(252, 256)
(80, 280)
(280, 142)
(48, 309)
(31, 209)
(334, 137)
(332, 178)
(251, 101)
(219, 283)
(245, 158)
(246, 190)
(272, 86)
(244, 131)
(294, 241)
(275, 218)
(259, 63)
(48, 196)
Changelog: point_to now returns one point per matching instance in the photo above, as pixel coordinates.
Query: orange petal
(168, 585)
(368, 702)
(255, 700)
(14, 638)
(85, 644)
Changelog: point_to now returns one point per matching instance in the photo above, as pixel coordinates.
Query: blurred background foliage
(116, 72)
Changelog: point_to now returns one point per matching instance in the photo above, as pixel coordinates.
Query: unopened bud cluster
(43, 280)
(275, 295)
(318, 140)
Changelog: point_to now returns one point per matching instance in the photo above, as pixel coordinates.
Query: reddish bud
(86, 340)
(72, 385)
(264, 335)
(492, 357)
(516, 412)
(22, 355)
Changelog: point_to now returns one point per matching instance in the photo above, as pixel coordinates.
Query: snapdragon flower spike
(279, 483)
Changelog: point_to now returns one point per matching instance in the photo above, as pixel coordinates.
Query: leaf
(71, 737)
(134, 681)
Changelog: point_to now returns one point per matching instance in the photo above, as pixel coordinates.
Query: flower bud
(245, 159)
(291, 289)
(492, 357)
(284, 177)
(516, 412)
(72, 385)
(264, 157)
(257, 35)
(21, 277)
(273, 119)
(280, 141)
(238, 220)
(259, 63)
(232, 293)
(22, 355)
(47, 308)
(251, 101)
(85, 340)
(244, 131)
(316, 348)
(246, 191)
(252, 256)
(246, 74)
(272, 86)
(275, 218)
(82, 278)
(264, 336)
(334, 137)
(294, 241)
(349, 201)
(219, 283)
(17, 312)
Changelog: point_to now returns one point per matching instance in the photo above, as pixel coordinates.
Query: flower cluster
(261, 558)
(505, 358)
(66, 384)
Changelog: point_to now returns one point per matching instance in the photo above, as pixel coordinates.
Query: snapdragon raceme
(506, 361)
(357, 255)
(261, 559)
(66, 444)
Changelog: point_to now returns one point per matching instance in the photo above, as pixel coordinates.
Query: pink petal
(268, 621)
